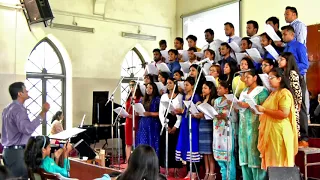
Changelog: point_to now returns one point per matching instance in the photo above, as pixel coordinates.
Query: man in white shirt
(300, 29)
(229, 31)
(252, 30)
(192, 56)
(212, 44)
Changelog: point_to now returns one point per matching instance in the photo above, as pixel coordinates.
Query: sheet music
(265, 81)
(206, 68)
(152, 69)
(161, 86)
(165, 54)
(199, 54)
(271, 33)
(231, 97)
(124, 113)
(184, 55)
(235, 47)
(66, 134)
(207, 109)
(272, 51)
(193, 108)
(185, 66)
(240, 56)
(142, 88)
(254, 54)
(251, 103)
(138, 107)
(181, 84)
(163, 67)
(211, 78)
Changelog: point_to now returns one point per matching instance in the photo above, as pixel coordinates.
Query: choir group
(249, 96)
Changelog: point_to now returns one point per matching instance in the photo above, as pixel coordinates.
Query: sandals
(214, 175)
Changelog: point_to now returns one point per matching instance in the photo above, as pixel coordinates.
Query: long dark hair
(201, 80)
(56, 116)
(253, 73)
(291, 63)
(165, 76)
(213, 95)
(226, 85)
(249, 62)
(138, 93)
(142, 165)
(176, 90)
(155, 93)
(33, 151)
(285, 82)
(229, 78)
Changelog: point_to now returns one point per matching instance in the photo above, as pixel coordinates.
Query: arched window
(132, 68)
(45, 82)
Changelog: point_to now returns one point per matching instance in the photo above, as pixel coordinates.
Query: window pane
(36, 59)
(52, 62)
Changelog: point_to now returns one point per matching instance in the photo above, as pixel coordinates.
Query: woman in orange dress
(278, 137)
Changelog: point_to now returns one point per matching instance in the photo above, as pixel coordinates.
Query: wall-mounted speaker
(38, 11)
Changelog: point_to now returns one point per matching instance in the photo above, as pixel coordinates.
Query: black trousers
(303, 113)
(14, 160)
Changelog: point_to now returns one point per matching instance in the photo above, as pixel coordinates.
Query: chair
(309, 151)
(41, 174)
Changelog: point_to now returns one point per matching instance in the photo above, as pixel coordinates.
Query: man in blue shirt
(300, 53)
(296, 48)
(173, 64)
(291, 16)
(17, 129)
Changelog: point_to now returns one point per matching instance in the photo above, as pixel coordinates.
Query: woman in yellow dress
(278, 137)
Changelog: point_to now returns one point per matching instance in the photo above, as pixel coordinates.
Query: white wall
(95, 58)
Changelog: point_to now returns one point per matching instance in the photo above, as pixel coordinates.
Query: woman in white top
(173, 125)
(56, 123)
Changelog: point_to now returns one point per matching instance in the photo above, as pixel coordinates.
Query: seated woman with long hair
(56, 123)
(142, 165)
(37, 155)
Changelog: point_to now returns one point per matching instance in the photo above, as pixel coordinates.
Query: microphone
(206, 60)
(243, 71)
(132, 67)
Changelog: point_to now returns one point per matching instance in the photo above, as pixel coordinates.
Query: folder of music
(66, 134)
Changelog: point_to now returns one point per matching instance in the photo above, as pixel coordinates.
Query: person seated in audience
(210, 54)
(215, 71)
(225, 51)
(163, 45)
(178, 43)
(268, 64)
(37, 155)
(4, 173)
(192, 42)
(56, 123)
(229, 32)
(143, 164)
(278, 136)
(173, 63)
(192, 56)
(178, 75)
(245, 44)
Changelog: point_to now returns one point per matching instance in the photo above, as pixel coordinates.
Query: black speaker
(38, 10)
(282, 173)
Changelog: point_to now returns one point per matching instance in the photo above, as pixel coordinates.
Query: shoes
(303, 144)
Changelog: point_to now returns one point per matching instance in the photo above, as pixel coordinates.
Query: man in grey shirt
(17, 129)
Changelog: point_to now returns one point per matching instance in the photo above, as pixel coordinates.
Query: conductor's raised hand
(45, 107)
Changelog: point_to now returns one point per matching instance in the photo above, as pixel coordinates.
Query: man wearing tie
(229, 31)
(300, 29)
(17, 129)
(300, 53)
(212, 44)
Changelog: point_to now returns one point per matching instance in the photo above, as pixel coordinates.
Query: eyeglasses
(271, 77)
(264, 65)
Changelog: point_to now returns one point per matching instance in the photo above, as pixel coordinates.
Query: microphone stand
(190, 118)
(166, 121)
(111, 98)
(228, 127)
(117, 124)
